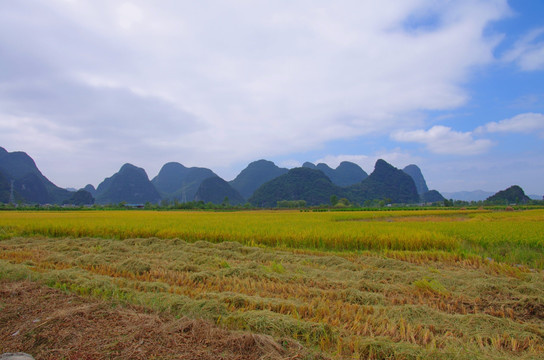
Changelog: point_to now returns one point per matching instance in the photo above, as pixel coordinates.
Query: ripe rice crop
(513, 237)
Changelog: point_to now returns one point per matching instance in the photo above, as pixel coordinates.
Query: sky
(456, 87)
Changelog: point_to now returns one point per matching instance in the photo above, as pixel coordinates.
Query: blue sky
(452, 86)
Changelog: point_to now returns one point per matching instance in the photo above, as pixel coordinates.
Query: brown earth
(51, 324)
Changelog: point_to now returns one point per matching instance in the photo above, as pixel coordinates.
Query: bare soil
(51, 324)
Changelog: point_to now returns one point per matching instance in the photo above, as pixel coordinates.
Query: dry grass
(392, 305)
(50, 324)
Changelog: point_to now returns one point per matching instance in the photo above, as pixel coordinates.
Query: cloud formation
(215, 83)
(443, 140)
(528, 52)
(522, 123)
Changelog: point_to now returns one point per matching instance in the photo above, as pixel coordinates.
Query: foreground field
(51, 324)
(387, 285)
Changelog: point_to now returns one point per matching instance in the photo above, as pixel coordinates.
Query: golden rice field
(457, 284)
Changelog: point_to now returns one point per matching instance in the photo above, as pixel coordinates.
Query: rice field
(456, 284)
(512, 237)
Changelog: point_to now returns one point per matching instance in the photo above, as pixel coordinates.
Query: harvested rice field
(464, 284)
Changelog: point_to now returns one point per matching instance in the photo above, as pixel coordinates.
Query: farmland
(389, 284)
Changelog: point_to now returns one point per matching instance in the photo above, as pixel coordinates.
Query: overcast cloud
(94, 84)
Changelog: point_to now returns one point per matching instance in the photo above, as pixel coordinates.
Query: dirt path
(50, 324)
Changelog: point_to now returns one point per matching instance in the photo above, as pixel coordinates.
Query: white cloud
(129, 15)
(443, 140)
(528, 52)
(214, 83)
(522, 123)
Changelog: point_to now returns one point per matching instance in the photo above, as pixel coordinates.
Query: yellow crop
(514, 237)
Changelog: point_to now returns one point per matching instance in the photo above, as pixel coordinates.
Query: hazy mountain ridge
(217, 191)
(130, 184)
(175, 181)
(254, 175)
(431, 196)
(302, 183)
(28, 182)
(346, 174)
(79, 198)
(311, 185)
(5, 188)
(386, 182)
(415, 172)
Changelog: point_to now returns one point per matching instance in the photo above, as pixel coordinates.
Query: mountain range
(261, 183)
(177, 182)
(346, 174)
(20, 175)
(254, 175)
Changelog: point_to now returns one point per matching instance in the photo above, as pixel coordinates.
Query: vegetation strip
(511, 237)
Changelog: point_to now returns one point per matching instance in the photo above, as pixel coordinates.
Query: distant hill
(513, 195)
(178, 182)
(90, 189)
(29, 183)
(385, 183)
(5, 188)
(130, 185)
(303, 183)
(415, 172)
(79, 198)
(347, 173)
(254, 175)
(217, 190)
(476, 195)
(432, 196)
(314, 184)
